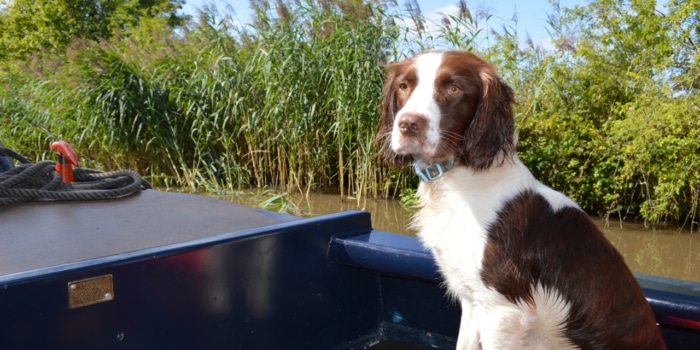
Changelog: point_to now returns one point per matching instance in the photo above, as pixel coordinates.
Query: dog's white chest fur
(453, 221)
(452, 226)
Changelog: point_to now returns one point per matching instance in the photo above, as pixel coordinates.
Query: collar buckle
(431, 171)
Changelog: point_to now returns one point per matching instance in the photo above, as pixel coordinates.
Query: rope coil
(40, 182)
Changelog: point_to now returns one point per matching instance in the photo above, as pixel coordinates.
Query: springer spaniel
(528, 266)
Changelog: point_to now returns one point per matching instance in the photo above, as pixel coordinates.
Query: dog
(526, 263)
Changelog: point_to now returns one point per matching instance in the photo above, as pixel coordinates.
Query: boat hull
(176, 271)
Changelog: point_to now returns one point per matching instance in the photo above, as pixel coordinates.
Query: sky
(531, 14)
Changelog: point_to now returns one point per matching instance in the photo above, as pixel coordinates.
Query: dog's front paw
(468, 344)
(468, 339)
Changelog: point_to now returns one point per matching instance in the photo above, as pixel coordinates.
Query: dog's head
(441, 106)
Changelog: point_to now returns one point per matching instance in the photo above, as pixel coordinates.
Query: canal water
(665, 251)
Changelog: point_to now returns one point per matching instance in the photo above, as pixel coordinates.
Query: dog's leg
(468, 338)
(502, 327)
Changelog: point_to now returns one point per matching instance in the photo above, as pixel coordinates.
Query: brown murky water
(663, 252)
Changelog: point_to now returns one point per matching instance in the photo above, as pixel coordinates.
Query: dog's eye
(454, 90)
(403, 87)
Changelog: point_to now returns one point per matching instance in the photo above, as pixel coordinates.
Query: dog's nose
(411, 124)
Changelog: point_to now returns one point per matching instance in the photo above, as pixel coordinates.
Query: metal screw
(108, 295)
(73, 286)
(120, 336)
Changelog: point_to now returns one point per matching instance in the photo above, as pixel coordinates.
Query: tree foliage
(614, 119)
(29, 26)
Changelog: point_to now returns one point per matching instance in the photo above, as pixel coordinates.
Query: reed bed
(291, 102)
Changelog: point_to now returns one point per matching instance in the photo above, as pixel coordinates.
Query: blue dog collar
(432, 171)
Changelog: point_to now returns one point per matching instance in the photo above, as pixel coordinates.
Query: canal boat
(162, 270)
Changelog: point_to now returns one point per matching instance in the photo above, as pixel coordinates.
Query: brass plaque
(90, 291)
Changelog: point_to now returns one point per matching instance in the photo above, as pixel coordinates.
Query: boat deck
(46, 234)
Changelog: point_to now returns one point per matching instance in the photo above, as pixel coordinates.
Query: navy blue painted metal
(670, 307)
(676, 303)
(385, 253)
(267, 289)
(414, 308)
(5, 163)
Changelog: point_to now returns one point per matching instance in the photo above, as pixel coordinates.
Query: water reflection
(663, 252)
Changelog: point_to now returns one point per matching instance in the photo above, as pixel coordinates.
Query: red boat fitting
(66, 159)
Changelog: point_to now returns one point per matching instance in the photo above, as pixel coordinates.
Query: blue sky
(532, 14)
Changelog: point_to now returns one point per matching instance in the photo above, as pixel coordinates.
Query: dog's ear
(489, 139)
(388, 113)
